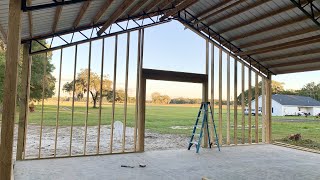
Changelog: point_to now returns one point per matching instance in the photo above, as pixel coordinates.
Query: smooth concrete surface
(241, 162)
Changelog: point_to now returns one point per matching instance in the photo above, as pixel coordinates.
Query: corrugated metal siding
(258, 11)
(43, 21)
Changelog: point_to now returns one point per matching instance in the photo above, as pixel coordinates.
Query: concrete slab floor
(241, 162)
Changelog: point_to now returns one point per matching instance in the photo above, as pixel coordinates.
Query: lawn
(172, 119)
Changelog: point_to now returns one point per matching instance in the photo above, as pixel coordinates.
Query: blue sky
(167, 47)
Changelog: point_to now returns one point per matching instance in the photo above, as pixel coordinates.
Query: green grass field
(176, 119)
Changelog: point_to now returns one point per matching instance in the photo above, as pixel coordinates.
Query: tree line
(311, 89)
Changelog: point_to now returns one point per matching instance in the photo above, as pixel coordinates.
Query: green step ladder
(205, 110)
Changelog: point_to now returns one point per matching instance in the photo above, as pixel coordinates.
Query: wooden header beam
(174, 76)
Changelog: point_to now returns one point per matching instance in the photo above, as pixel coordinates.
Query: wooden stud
(235, 102)
(58, 107)
(73, 94)
(242, 105)
(87, 103)
(101, 11)
(100, 99)
(119, 11)
(142, 99)
(263, 96)
(220, 96)
(278, 37)
(212, 137)
(286, 45)
(270, 107)
(114, 91)
(236, 12)
(141, 115)
(82, 11)
(24, 101)
(42, 104)
(256, 97)
(137, 91)
(228, 99)
(249, 107)
(268, 110)
(205, 94)
(10, 87)
(126, 93)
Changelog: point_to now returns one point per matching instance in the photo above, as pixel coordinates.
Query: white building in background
(286, 105)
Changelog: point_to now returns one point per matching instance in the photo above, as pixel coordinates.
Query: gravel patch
(153, 141)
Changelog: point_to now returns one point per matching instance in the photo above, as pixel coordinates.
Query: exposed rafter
(150, 6)
(286, 45)
(269, 28)
(82, 11)
(279, 37)
(56, 18)
(300, 69)
(295, 54)
(30, 19)
(113, 18)
(164, 5)
(256, 19)
(212, 14)
(54, 3)
(101, 11)
(136, 7)
(310, 10)
(183, 5)
(217, 39)
(294, 63)
(236, 12)
(213, 8)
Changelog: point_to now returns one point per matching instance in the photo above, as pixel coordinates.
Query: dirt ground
(153, 141)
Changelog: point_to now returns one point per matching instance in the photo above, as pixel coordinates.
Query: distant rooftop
(295, 100)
